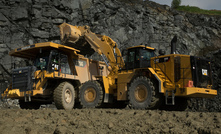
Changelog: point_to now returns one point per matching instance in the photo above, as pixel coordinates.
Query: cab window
(64, 64)
(131, 56)
(41, 61)
(145, 56)
(55, 60)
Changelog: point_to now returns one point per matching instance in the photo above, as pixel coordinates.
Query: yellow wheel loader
(55, 76)
(142, 79)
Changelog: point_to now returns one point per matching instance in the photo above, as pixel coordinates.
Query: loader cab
(138, 57)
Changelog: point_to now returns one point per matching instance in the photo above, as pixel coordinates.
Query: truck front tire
(64, 96)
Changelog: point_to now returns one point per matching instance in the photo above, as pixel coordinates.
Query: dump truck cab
(53, 61)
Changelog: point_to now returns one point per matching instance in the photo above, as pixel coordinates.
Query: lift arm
(102, 44)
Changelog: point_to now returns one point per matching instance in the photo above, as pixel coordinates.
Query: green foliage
(175, 3)
(198, 10)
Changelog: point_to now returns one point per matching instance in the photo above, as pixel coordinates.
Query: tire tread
(81, 91)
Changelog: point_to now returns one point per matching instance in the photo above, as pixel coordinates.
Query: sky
(203, 4)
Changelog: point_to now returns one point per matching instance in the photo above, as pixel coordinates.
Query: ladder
(170, 100)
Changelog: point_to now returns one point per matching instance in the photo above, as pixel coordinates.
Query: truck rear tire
(64, 96)
(91, 94)
(141, 94)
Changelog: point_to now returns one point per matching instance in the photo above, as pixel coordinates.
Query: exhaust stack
(173, 45)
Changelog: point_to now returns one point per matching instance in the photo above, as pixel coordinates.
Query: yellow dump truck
(56, 74)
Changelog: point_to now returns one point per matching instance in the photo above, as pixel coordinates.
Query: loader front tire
(91, 94)
(141, 94)
(64, 96)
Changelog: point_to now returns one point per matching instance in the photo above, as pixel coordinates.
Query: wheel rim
(90, 94)
(141, 93)
(68, 96)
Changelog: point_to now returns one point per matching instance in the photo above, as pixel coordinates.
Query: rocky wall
(129, 23)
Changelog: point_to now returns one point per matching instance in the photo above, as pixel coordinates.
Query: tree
(175, 3)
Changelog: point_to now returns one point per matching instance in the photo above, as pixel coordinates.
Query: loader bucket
(72, 36)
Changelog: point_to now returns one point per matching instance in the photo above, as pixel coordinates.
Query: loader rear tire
(142, 94)
(64, 96)
(91, 94)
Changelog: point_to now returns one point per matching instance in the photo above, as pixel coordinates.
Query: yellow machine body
(165, 73)
(173, 72)
(169, 75)
(82, 69)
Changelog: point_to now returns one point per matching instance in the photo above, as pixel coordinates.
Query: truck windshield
(41, 61)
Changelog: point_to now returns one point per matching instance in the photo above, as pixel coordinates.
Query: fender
(161, 87)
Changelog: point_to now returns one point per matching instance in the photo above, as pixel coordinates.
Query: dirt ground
(90, 121)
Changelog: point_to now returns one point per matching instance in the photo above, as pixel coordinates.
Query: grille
(201, 72)
(22, 78)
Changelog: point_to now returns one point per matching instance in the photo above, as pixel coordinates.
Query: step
(157, 69)
(167, 81)
(160, 73)
(169, 86)
(163, 77)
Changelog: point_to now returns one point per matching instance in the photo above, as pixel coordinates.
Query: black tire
(142, 94)
(91, 94)
(64, 96)
(29, 105)
(157, 98)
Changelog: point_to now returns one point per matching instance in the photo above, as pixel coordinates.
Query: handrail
(164, 72)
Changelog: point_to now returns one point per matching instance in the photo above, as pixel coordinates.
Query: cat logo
(204, 72)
